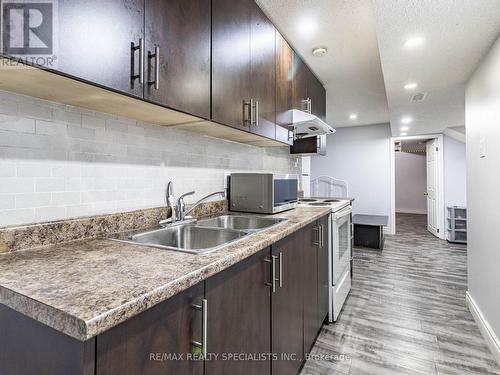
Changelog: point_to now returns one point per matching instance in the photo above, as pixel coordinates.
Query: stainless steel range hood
(306, 125)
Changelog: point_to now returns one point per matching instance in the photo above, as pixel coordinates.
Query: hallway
(406, 313)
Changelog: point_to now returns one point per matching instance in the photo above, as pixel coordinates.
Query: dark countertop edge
(83, 330)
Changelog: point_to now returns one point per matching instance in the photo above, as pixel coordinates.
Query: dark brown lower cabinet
(157, 341)
(287, 306)
(323, 284)
(309, 242)
(239, 320)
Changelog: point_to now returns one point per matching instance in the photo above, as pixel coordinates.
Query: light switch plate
(482, 147)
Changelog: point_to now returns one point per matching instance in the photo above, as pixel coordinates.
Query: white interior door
(432, 209)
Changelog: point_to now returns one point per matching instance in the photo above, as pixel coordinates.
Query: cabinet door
(323, 284)
(263, 75)
(181, 31)
(95, 42)
(287, 307)
(309, 240)
(300, 77)
(168, 329)
(231, 61)
(284, 89)
(239, 320)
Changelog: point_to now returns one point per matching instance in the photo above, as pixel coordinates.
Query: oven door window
(285, 191)
(342, 245)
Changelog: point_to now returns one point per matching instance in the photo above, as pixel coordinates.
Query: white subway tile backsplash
(58, 161)
(7, 201)
(50, 184)
(17, 124)
(30, 200)
(15, 185)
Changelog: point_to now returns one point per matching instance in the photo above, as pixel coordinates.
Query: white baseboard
(411, 211)
(484, 327)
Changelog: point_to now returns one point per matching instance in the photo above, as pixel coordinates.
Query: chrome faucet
(179, 215)
(184, 214)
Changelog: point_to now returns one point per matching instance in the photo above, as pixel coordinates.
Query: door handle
(316, 241)
(321, 239)
(204, 312)
(156, 57)
(139, 47)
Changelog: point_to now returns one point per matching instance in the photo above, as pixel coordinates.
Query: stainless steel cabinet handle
(139, 47)
(316, 229)
(321, 234)
(255, 107)
(281, 269)
(247, 112)
(318, 141)
(272, 284)
(204, 311)
(156, 56)
(309, 108)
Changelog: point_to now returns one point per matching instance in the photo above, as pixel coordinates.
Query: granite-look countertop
(84, 288)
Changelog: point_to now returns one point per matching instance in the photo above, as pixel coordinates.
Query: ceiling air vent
(420, 97)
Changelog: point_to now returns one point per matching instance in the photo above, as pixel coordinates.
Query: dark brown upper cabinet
(316, 95)
(231, 62)
(284, 89)
(243, 67)
(179, 76)
(96, 39)
(300, 77)
(263, 72)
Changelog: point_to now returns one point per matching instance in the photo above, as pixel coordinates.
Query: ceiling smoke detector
(320, 51)
(420, 97)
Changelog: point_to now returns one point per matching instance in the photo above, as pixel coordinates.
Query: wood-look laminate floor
(406, 313)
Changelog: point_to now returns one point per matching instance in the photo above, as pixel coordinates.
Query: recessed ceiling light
(320, 51)
(411, 86)
(403, 134)
(353, 116)
(307, 27)
(406, 120)
(405, 128)
(414, 42)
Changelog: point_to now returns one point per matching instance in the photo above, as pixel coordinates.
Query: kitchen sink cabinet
(284, 89)
(239, 319)
(141, 345)
(181, 32)
(287, 304)
(95, 39)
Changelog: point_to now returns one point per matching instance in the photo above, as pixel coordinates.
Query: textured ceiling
(457, 34)
(351, 71)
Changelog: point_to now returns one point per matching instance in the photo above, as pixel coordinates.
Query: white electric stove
(339, 254)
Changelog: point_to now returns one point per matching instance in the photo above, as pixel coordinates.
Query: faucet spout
(222, 193)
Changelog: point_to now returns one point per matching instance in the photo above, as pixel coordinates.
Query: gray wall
(411, 183)
(454, 172)
(483, 186)
(360, 156)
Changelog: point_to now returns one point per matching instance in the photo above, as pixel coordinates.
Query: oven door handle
(343, 212)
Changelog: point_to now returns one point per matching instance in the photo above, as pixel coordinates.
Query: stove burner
(308, 200)
(332, 200)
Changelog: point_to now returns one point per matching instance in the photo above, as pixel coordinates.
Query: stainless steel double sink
(201, 236)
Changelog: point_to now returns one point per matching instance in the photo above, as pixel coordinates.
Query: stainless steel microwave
(264, 193)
